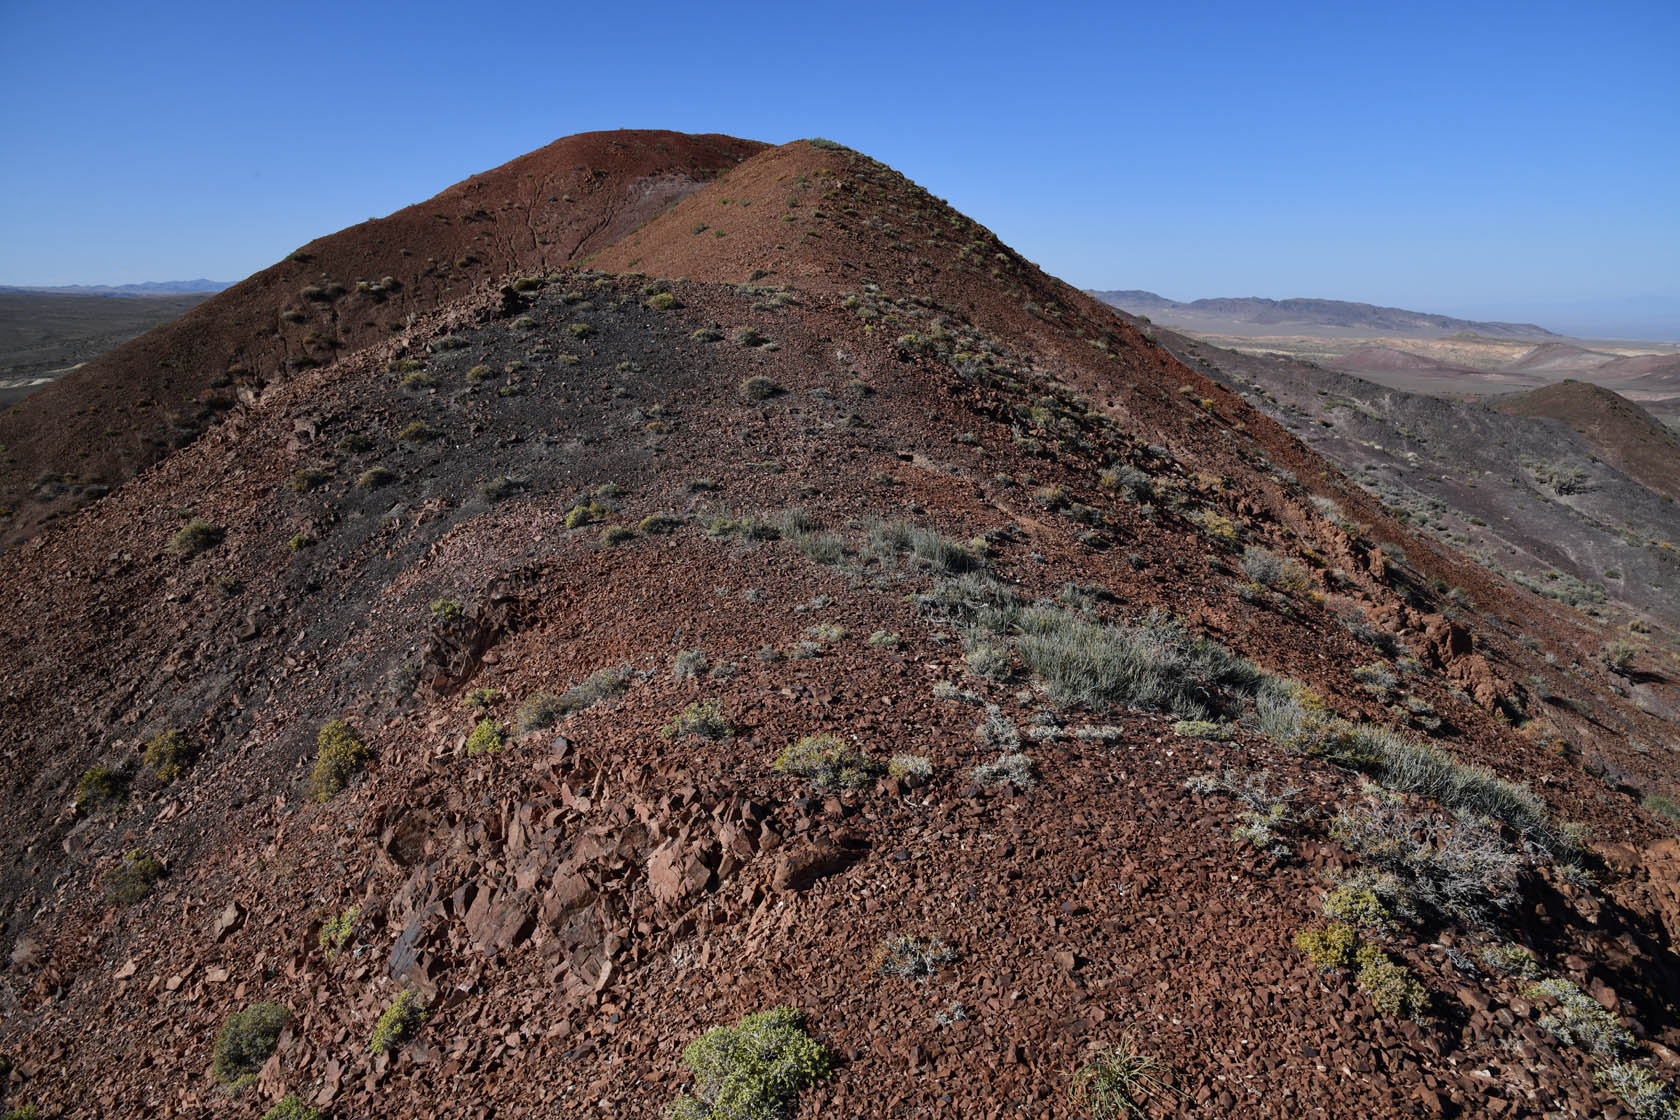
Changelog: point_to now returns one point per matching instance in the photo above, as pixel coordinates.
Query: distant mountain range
(1333, 314)
(149, 288)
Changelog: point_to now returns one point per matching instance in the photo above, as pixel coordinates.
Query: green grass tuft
(291, 1108)
(1121, 1082)
(133, 878)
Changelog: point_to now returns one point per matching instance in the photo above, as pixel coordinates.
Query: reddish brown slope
(1623, 434)
(844, 229)
(578, 905)
(95, 427)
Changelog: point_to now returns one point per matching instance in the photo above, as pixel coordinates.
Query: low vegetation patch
(1453, 869)
(928, 547)
(754, 1070)
(1362, 901)
(1276, 572)
(337, 930)
(828, 762)
(307, 479)
(698, 721)
(586, 513)
(1011, 768)
(1618, 657)
(338, 757)
(544, 709)
(196, 536)
(1392, 988)
(1512, 960)
(1155, 665)
(246, 1040)
(1267, 810)
(398, 1022)
(418, 432)
(759, 387)
(486, 738)
(1646, 1097)
(100, 786)
(688, 663)
(291, 1108)
(1122, 1081)
(661, 523)
(988, 661)
(1295, 716)
(501, 487)
(824, 548)
(133, 877)
(911, 958)
(1663, 806)
(910, 769)
(1578, 1020)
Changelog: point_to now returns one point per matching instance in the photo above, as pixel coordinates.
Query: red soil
(545, 210)
(577, 906)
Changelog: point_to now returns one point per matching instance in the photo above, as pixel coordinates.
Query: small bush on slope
(196, 536)
(1579, 1020)
(398, 1022)
(700, 721)
(753, 1070)
(486, 737)
(1457, 869)
(544, 709)
(338, 755)
(245, 1042)
(1155, 665)
(290, 1108)
(1295, 716)
(133, 878)
(828, 762)
(911, 957)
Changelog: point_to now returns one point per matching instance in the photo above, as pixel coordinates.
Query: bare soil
(577, 906)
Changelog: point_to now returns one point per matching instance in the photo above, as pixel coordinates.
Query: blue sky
(1511, 159)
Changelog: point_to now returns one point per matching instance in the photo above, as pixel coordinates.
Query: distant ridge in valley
(149, 288)
(1619, 430)
(1304, 315)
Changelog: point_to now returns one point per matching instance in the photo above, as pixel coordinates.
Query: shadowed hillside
(336, 294)
(800, 601)
(44, 334)
(1539, 501)
(1622, 433)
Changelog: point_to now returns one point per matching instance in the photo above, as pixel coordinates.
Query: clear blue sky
(1470, 158)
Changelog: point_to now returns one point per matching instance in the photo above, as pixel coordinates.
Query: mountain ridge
(339, 291)
(792, 582)
(1320, 312)
(148, 288)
